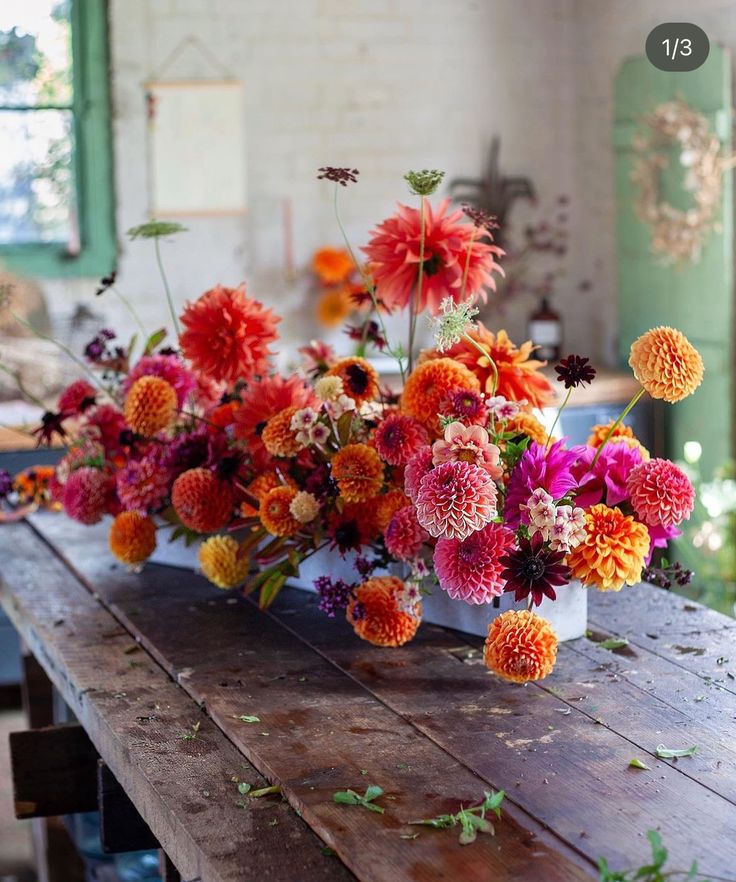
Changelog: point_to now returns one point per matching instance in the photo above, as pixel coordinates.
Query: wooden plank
(37, 693)
(121, 826)
(318, 731)
(137, 717)
(54, 772)
(56, 858)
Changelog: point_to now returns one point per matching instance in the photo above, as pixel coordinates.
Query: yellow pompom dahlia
(221, 563)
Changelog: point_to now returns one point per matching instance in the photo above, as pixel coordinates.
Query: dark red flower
(575, 371)
(532, 568)
(51, 424)
(342, 176)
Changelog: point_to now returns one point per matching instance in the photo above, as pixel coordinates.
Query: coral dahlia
(666, 363)
(77, 397)
(378, 614)
(143, 484)
(455, 499)
(221, 562)
(275, 512)
(150, 405)
(132, 538)
(404, 535)
(468, 444)
(202, 501)
(227, 335)
(85, 495)
(429, 385)
(358, 470)
(521, 646)
(470, 569)
(661, 493)
(398, 438)
(418, 466)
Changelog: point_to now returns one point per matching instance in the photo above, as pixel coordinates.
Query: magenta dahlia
(607, 480)
(455, 499)
(143, 484)
(548, 467)
(169, 368)
(470, 569)
(661, 493)
(86, 494)
(418, 466)
(404, 535)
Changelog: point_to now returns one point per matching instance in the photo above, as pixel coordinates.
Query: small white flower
(454, 320)
(342, 404)
(303, 419)
(502, 408)
(319, 433)
(304, 507)
(329, 388)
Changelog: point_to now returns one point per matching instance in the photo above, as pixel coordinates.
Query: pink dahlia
(469, 569)
(468, 444)
(607, 480)
(398, 438)
(77, 397)
(393, 257)
(106, 423)
(548, 467)
(143, 484)
(404, 535)
(660, 537)
(86, 494)
(661, 493)
(466, 406)
(418, 466)
(169, 368)
(455, 499)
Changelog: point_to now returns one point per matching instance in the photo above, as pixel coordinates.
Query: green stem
(416, 296)
(166, 286)
(132, 310)
(487, 355)
(559, 412)
(622, 416)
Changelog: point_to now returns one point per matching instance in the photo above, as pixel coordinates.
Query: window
(56, 204)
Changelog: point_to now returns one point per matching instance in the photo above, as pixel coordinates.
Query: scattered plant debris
(652, 872)
(472, 820)
(638, 764)
(673, 753)
(191, 736)
(350, 797)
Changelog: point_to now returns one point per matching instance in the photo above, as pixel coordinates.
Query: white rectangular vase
(568, 614)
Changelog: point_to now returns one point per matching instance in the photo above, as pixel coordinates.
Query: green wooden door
(697, 297)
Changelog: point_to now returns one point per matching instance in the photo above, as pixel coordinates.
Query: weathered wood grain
(184, 787)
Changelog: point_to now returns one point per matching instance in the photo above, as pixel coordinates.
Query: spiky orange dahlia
(278, 437)
(132, 538)
(221, 563)
(521, 646)
(666, 363)
(380, 614)
(202, 501)
(613, 552)
(359, 378)
(428, 386)
(275, 512)
(358, 470)
(150, 405)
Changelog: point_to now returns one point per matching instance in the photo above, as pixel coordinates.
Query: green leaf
(638, 764)
(328, 852)
(659, 852)
(154, 340)
(613, 643)
(248, 718)
(243, 787)
(672, 753)
(373, 792)
(346, 797)
(350, 797)
(270, 589)
(155, 229)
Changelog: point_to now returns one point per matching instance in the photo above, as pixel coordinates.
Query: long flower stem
(485, 354)
(132, 310)
(622, 416)
(369, 286)
(559, 413)
(416, 297)
(169, 298)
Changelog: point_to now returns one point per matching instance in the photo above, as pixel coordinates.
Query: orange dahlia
(261, 484)
(666, 363)
(132, 538)
(428, 386)
(332, 265)
(387, 504)
(526, 424)
(227, 334)
(519, 375)
(621, 435)
(333, 306)
(380, 614)
(222, 416)
(278, 437)
(613, 552)
(358, 470)
(150, 405)
(359, 378)
(521, 646)
(202, 501)
(221, 563)
(275, 512)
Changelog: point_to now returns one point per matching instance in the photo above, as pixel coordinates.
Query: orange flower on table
(227, 334)
(382, 614)
(521, 646)
(150, 405)
(202, 501)
(519, 375)
(613, 552)
(332, 265)
(33, 485)
(333, 306)
(359, 379)
(428, 386)
(358, 470)
(666, 364)
(132, 538)
(621, 435)
(275, 512)
(221, 562)
(278, 437)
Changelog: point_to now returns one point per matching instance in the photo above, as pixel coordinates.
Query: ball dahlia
(666, 364)
(150, 405)
(621, 435)
(398, 438)
(521, 646)
(85, 495)
(221, 562)
(202, 501)
(169, 368)
(143, 484)
(226, 335)
(455, 499)
(132, 538)
(379, 615)
(275, 512)
(358, 470)
(470, 569)
(661, 493)
(613, 552)
(278, 437)
(359, 379)
(429, 385)
(404, 535)
(418, 466)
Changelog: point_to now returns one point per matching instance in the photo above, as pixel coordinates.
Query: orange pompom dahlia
(380, 613)
(387, 504)
(332, 265)
(526, 424)
(358, 470)
(613, 552)
(621, 435)
(428, 386)
(132, 537)
(521, 646)
(666, 363)
(359, 379)
(275, 512)
(221, 563)
(278, 437)
(202, 501)
(150, 405)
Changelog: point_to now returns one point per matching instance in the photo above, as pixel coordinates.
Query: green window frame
(92, 160)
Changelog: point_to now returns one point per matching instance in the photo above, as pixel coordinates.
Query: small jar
(545, 331)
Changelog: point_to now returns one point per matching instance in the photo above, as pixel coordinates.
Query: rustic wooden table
(141, 659)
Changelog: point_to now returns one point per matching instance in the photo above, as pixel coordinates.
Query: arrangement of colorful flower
(448, 482)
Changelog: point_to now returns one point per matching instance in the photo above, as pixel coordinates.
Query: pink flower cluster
(561, 525)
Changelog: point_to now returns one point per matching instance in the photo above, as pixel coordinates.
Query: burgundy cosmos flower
(575, 371)
(342, 176)
(534, 569)
(51, 426)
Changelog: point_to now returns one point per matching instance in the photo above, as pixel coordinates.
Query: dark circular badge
(677, 46)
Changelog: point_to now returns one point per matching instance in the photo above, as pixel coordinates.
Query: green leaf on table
(350, 797)
(272, 790)
(638, 764)
(613, 643)
(155, 229)
(659, 852)
(247, 718)
(471, 820)
(672, 753)
(243, 787)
